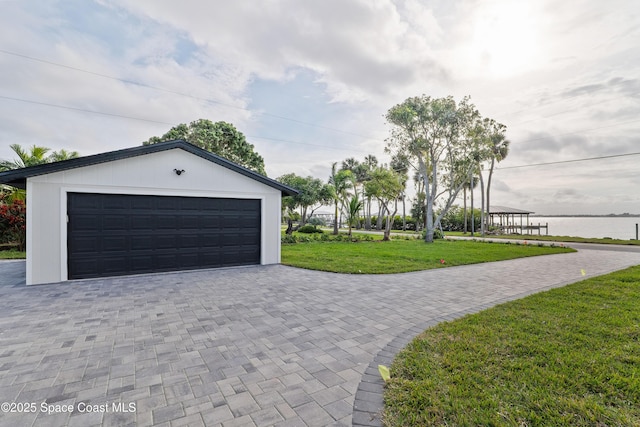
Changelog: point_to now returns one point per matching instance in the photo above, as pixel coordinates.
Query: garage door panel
(165, 241)
(115, 244)
(188, 241)
(189, 259)
(166, 222)
(86, 266)
(85, 223)
(141, 243)
(168, 203)
(86, 245)
(210, 222)
(114, 264)
(112, 234)
(142, 263)
(187, 222)
(142, 222)
(115, 222)
(142, 203)
(211, 257)
(117, 204)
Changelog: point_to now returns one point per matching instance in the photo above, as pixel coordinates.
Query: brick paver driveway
(238, 347)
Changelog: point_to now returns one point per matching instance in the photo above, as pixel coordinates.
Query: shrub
(317, 222)
(308, 229)
(453, 220)
(13, 218)
(397, 223)
(437, 234)
(288, 238)
(292, 238)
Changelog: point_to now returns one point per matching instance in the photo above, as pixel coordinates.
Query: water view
(613, 227)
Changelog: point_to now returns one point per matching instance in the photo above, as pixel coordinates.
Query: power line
(173, 92)
(569, 161)
(46, 104)
(122, 116)
(582, 131)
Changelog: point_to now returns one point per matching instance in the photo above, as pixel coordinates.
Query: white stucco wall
(147, 174)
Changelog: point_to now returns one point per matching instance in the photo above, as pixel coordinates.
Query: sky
(309, 82)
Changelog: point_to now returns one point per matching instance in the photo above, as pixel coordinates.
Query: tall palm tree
(369, 164)
(339, 182)
(499, 148)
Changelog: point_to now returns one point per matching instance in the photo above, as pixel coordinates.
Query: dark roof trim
(496, 210)
(18, 177)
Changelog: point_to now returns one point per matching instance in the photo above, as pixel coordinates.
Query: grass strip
(11, 254)
(400, 256)
(566, 357)
(606, 241)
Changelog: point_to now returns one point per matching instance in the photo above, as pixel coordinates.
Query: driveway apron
(265, 345)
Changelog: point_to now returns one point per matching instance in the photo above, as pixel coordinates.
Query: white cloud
(561, 76)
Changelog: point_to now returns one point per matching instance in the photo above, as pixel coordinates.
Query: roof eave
(18, 177)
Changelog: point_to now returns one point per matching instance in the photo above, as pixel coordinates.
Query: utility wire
(209, 100)
(46, 104)
(569, 161)
(84, 110)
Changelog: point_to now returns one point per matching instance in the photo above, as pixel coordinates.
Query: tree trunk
(404, 214)
(429, 193)
(289, 226)
(482, 223)
(473, 215)
(335, 220)
(379, 219)
(493, 161)
(387, 229)
(465, 210)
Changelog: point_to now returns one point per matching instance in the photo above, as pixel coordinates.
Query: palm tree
(63, 154)
(370, 162)
(32, 156)
(499, 148)
(352, 210)
(339, 182)
(35, 155)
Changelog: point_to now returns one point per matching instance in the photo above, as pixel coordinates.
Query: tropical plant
(352, 211)
(340, 182)
(32, 156)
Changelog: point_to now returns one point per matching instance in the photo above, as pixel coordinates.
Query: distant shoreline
(587, 216)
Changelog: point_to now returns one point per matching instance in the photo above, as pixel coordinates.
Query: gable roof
(18, 177)
(506, 210)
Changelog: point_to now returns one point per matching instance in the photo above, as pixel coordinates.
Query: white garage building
(161, 207)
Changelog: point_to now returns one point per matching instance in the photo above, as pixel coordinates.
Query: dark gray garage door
(115, 234)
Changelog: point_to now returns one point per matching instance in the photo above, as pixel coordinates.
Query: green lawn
(550, 238)
(399, 256)
(12, 254)
(566, 357)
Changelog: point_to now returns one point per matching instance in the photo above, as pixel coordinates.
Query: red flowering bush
(13, 222)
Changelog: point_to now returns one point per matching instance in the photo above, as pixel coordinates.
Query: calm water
(616, 228)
